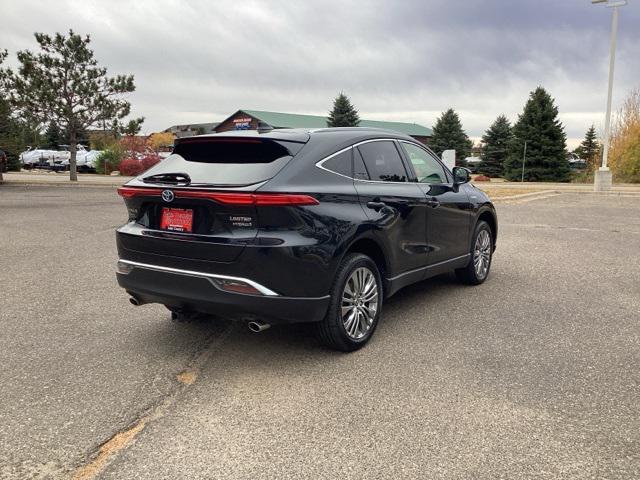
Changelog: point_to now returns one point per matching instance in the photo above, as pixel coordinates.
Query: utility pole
(603, 177)
(524, 160)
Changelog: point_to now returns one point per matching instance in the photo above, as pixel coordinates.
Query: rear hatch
(198, 202)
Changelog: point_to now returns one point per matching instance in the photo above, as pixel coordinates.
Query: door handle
(377, 206)
(433, 202)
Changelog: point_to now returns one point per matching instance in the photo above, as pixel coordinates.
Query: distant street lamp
(524, 160)
(603, 180)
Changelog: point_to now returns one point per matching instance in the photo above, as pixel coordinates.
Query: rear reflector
(236, 286)
(124, 268)
(228, 198)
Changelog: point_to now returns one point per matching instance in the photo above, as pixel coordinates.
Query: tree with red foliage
(134, 166)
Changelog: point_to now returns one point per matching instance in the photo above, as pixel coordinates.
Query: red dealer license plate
(177, 219)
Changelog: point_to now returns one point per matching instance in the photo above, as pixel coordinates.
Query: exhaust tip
(135, 301)
(257, 326)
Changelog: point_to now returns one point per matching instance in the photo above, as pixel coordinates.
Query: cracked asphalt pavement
(534, 374)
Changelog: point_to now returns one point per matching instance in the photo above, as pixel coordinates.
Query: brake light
(129, 192)
(283, 199)
(222, 197)
(228, 198)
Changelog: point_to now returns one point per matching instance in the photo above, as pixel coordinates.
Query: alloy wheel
(482, 254)
(359, 302)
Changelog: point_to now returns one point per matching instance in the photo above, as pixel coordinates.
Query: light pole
(603, 180)
(524, 160)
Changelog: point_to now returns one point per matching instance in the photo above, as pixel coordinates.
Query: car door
(396, 206)
(448, 218)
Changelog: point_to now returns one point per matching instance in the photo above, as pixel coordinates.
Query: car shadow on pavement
(416, 291)
(300, 338)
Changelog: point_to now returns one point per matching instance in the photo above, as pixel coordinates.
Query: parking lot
(534, 374)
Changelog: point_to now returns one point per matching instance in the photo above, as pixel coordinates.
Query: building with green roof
(246, 119)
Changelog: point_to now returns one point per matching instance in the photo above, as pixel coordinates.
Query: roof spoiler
(264, 127)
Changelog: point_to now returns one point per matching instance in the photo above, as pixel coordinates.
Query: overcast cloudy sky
(199, 61)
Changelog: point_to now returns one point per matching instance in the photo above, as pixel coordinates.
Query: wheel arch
(371, 248)
(488, 215)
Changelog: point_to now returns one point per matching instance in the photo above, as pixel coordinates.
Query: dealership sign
(243, 123)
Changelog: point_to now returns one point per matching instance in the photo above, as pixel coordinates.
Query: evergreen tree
(63, 83)
(15, 135)
(539, 127)
(589, 149)
(15, 132)
(343, 114)
(448, 134)
(53, 136)
(495, 144)
(4, 116)
(132, 127)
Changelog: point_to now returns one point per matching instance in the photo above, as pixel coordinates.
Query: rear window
(227, 161)
(231, 150)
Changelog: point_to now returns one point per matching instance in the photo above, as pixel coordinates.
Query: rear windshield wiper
(169, 179)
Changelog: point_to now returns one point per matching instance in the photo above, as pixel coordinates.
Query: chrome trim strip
(320, 163)
(415, 270)
(209, 276)
(199, 187)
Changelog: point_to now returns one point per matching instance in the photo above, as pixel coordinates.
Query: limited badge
(241, 221)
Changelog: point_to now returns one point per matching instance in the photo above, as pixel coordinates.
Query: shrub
(157, 141)
(13, 162)
(149, 161)
(481, 178)
(133, 143)
(110, 159)
(624, 156)
(131, 167)
(585, 176)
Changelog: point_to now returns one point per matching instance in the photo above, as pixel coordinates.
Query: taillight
(129, 192)
(284, 199)
(228, 198)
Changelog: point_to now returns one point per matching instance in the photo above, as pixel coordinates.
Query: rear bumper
(197, 291)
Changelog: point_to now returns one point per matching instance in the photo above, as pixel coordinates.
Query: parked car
(85, 160)
(58, 160)
(300, 226)
(473, 163)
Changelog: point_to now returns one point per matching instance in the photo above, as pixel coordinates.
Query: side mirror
(461, 175)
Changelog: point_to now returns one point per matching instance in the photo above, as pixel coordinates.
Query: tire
(355, 328)
(481, 256)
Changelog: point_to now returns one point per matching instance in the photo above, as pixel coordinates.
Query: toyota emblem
(168, 196)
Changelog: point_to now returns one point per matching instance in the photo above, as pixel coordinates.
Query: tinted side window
(383, 161)
(340, 163)
(359, 170)
(427, 168)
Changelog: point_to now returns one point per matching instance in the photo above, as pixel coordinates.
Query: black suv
(290, 226)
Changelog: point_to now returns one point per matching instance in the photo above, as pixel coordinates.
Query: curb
(29, 183)
(530, 195)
